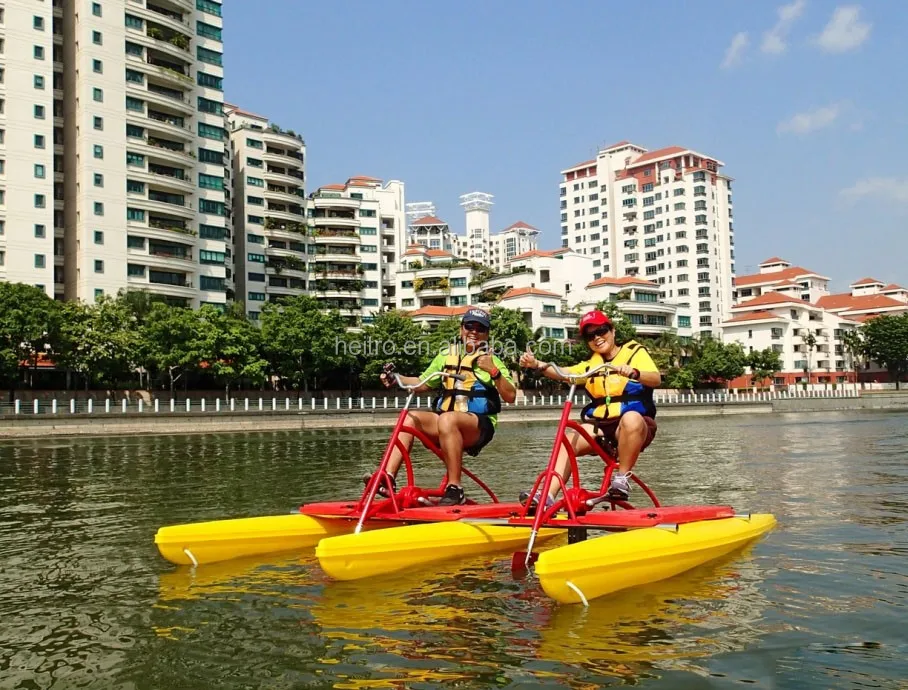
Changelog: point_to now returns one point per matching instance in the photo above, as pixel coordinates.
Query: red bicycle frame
(575, 499)
(410, 496)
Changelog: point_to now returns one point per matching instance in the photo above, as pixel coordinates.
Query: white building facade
(112, 125)
(665, 216)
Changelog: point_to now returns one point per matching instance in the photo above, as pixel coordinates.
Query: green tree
(171, 341)
(763, 364)
(624, 329)
(231, 347)
(714, 363)
(99, 341)
(441, 335)
(29, 326)
(886, 342)
(303, 344)
(810, 342)
(392, 337)
(853, 342)
(510, 335)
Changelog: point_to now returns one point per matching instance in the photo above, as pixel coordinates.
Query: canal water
(87, 602)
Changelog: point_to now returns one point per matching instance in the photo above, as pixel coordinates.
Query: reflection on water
(85, 598)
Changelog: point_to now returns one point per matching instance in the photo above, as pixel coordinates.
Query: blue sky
(805, 102)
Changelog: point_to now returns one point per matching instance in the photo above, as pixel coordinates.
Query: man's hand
(485, 363)
(387, 380)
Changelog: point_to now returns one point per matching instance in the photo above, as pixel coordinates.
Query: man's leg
(426, 422)
(456, 431)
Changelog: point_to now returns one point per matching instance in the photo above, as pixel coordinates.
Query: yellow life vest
(470, 395)
(613, 394)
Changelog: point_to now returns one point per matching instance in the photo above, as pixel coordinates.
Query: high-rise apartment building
(663, 215)
(111, 126)
(31, 151)
(270, 227)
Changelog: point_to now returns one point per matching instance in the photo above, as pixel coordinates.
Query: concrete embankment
(117, 424)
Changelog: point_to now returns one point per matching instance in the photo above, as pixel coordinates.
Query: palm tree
(810, 340)
(854, 346)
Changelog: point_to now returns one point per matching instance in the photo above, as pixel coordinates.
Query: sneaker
(619, 487)
(534, 502)
(382, 488)
(454, 496)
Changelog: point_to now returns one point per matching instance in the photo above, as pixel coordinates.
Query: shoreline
(63, 425)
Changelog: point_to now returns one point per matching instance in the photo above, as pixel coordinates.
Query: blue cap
(476, 315)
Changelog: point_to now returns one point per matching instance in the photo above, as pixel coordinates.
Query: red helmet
(594, 318)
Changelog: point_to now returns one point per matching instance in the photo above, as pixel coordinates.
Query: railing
(368, 403)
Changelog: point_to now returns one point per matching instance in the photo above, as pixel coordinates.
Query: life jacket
(613, 395)
(469, 395)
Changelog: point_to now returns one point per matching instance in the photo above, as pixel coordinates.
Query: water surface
(86, 601)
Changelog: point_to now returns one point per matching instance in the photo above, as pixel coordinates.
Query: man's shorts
(486, 433)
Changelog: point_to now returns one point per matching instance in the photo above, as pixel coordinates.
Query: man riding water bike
(622, 412)
(465, 412)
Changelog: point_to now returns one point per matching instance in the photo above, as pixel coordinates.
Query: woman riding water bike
(465, 412)
(622, 413)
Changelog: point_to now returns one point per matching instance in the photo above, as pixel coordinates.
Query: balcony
(282, 213)
(165, 151)
(337, 255)
(336, 237)
(158, 202)
(164, 177)
(162, 96)
(284, 194)
(325, 200)
(346, 220)
(281, 177)
(280, 137)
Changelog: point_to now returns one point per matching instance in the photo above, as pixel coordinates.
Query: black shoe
(382, 488)
(454, 496)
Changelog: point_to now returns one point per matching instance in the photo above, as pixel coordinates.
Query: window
(99, 180)
(99, 208)
(135, 159)
(133, 49)
(257, 296)
(135, 104)
(135, 187)
(255, 239)
(212, 232)
(98, 151)
(212, 57)
(256, 258)
(96, 38)
(134, 76)
(257, 220)
(39, 260)
(96, 9)
(40, 231)
(210, 81)
(38, 53)
(99, 293)
(135, 214)
(97, 94)
(39, 81)
(39, 171)
(38, 23)
(210, 181)
(135, 131)
(98, 122)
(99, 237)
(209, 156)
(97, 66)
(254, 143)
(255, 181)
(211, 132)
(214, 207)
(39, 112)
(208, 31)
(134, 22)
(209, 6)
(39, 201)
(99, 266)
(209, 257)
(208, 106)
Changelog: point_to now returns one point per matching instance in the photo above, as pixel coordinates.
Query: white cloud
(845, 30)
(774, 39)
(886, 188)
(811, 120)
(735, 49)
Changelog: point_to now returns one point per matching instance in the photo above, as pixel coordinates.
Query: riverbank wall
(113, 421)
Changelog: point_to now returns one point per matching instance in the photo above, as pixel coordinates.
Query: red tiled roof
(658, 153)
(625, 280)
(521, 292)
(447, 312)
(537, 252)
(754, 316)
(428, 220)
(787, 283)
(773, 260)
(614, 146)
(892, 287)
(333, 186)
(584, 164)
(866, 281)
(771, 298)
(847, 302)
(521, 224)
(774, 277)
(438, 252)
(366, 178)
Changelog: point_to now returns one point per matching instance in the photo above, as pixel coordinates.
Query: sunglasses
(477, 327)
(601, 331)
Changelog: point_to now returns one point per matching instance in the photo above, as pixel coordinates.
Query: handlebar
(576, 378)
(456, 377)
